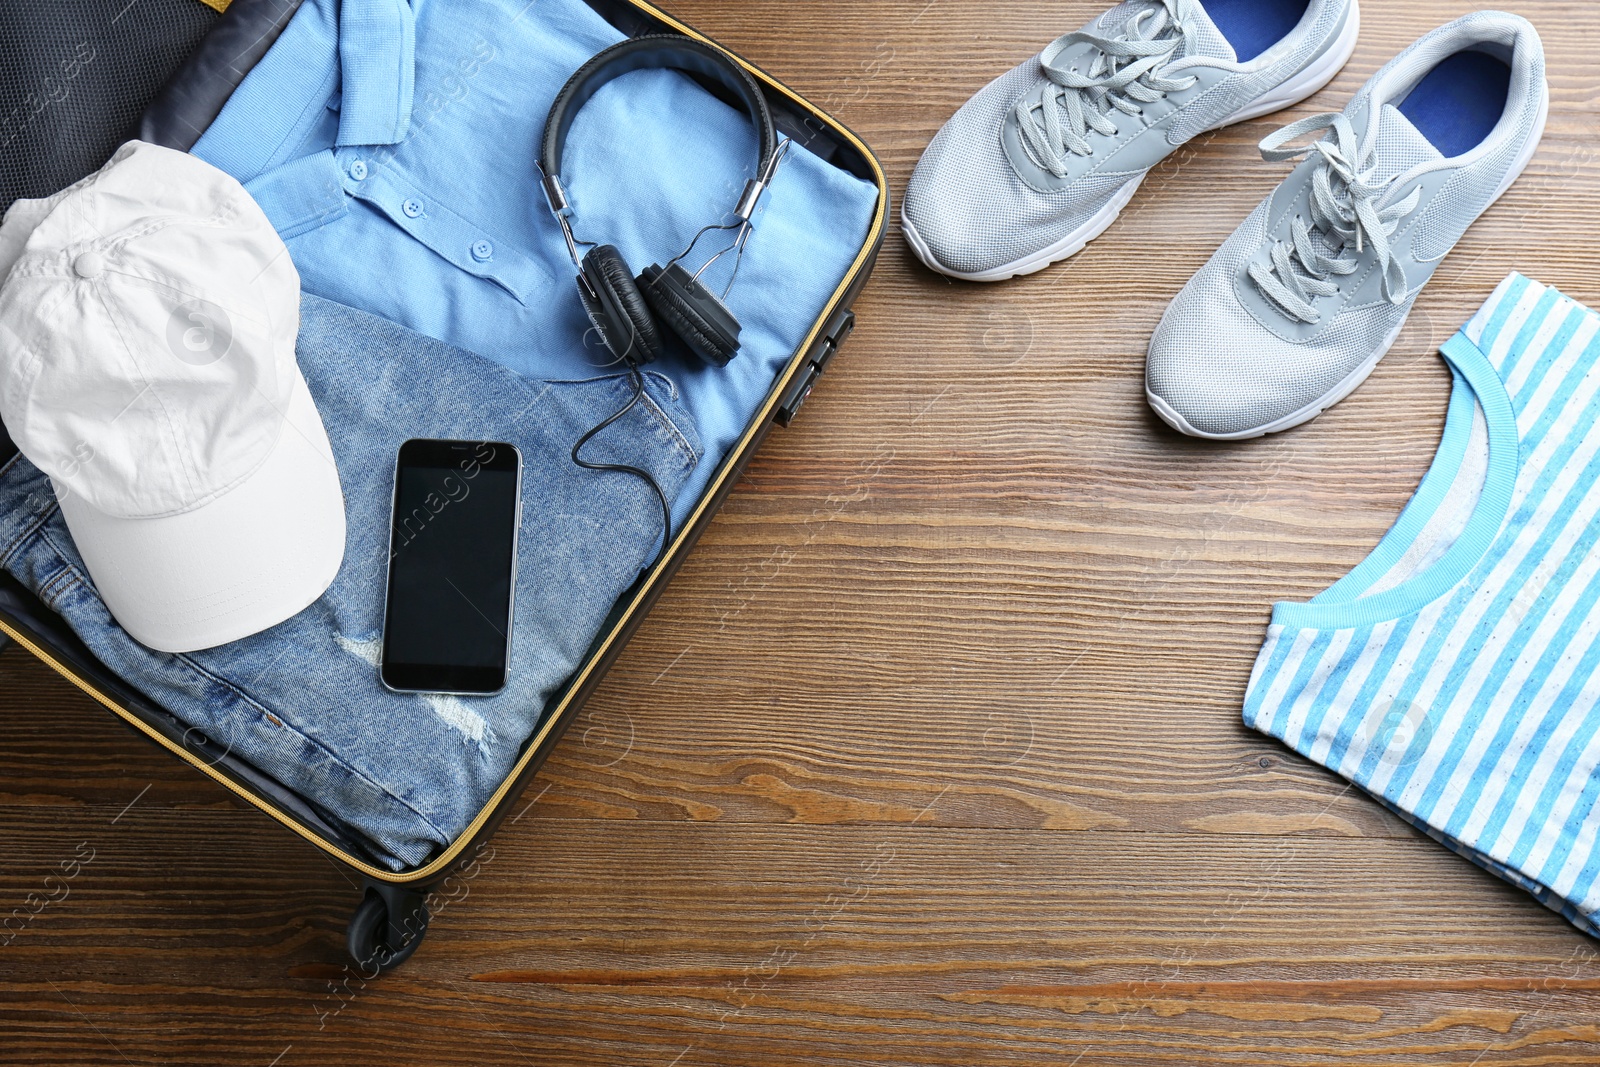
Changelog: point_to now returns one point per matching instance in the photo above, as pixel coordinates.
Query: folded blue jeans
(302, 701)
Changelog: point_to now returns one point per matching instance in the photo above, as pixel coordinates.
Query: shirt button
(482, 251)
(412, 207)
(358, 170)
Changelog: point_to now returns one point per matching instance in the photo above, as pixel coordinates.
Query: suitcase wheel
(386, 928)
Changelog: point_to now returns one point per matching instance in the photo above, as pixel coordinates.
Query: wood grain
(932, 753)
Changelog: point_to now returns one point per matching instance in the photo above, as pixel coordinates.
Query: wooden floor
(932, 754)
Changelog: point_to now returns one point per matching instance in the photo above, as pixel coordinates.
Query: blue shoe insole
(1253, 26)
(1458, 103)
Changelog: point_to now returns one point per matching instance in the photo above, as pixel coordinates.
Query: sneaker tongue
(1208, 40)
(1398, 145)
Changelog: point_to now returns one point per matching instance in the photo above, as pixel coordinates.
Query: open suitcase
(388, 925)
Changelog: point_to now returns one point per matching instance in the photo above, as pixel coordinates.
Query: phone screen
(452, 561)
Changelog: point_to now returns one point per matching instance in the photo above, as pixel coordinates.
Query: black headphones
(626, 310)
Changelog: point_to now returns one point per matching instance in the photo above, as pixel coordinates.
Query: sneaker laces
(1345, 219)
(1126, 73)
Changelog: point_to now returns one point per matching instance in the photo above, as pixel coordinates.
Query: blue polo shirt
(394, 147)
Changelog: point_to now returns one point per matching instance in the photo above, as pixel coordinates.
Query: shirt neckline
(1477, 380)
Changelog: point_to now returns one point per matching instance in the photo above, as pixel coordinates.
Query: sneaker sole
(1349, 383)
(1065, 248)
(1287, 93)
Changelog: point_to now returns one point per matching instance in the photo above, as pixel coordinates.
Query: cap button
(89, 265)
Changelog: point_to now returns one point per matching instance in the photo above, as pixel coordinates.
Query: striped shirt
(1452, 674)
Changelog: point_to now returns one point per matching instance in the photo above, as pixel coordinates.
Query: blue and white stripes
(1453, 673)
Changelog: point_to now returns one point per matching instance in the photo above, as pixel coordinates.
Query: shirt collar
(377, 68)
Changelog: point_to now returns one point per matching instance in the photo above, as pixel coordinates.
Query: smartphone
(452, 567)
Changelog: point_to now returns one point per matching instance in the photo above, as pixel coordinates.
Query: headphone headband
(651, 52)
(622, 307)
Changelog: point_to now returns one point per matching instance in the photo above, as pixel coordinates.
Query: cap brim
(248, 560)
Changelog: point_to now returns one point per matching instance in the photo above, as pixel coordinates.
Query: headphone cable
(666, 508)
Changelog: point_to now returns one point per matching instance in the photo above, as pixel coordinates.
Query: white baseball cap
(147, 365)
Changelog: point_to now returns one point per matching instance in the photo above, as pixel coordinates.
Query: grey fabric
(1444, 221)
(1398, 147)
(1318, 30)
(1211, 361)
(1229, 360)
(1136, 140)
(1469, 191)
(1089, 79)
(1352, 203)
(969, 205)
(978, 208)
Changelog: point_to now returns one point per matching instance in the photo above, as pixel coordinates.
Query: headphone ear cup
(693, 312)
(617, 308)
